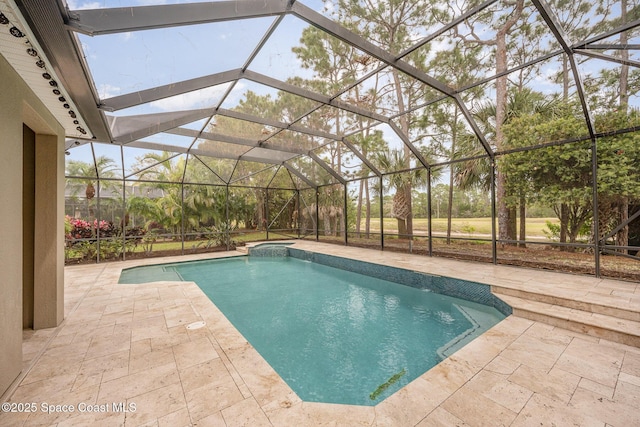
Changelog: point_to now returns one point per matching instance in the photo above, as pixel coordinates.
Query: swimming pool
(333, 335)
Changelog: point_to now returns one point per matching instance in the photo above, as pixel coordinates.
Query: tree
(400, 181)
(557, 176)
(561, 175)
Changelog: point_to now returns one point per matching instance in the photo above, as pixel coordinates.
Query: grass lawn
(466, 226)
(471, 226)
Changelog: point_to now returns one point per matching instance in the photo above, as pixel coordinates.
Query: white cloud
(106, 91)
(80, 4)
(198, 99)
(150, 2)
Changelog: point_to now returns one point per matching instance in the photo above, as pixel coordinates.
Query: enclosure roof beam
(232, 140)
(198, 152)
(148, 145)
(511, 70)
(126, 129)
(361, 156)
(405, 140)
(323, 99)
(624, 27)
(124, 19)
(154, 94)
(248, 175)
(326, 167)
(274, 123)
(609, 58)
(458, 20)
(172, 89)
(299, 175)
(257, 159)
(602, 46)
(146, 168)
(465, 112)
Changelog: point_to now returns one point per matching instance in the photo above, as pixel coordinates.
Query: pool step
(609, 327)
(242, 249)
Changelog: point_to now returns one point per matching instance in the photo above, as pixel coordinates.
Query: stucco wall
(18, 106)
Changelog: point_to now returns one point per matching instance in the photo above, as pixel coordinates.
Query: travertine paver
(128, 346)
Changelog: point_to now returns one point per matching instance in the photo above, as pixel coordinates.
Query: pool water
(334, 336)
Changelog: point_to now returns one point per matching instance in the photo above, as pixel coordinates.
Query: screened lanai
(497, 131)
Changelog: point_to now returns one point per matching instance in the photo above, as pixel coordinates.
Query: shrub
(77, 228)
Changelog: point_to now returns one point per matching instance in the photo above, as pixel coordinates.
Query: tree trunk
(564, 224)
(513, 223)
(400, 210)
(326, 220)
(501, 112)
(402, 227)
(506, 221)
(409, 220)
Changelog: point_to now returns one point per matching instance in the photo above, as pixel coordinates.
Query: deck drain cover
(195, 325)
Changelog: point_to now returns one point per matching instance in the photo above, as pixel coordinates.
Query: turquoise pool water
(332, 335)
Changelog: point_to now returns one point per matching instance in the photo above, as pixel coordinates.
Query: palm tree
(89, 173)
(402, 182)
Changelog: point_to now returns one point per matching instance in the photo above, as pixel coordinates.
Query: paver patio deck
(129, 345)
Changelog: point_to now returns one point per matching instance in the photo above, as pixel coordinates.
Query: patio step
(606, 326)
(242, 249)
(601, 304)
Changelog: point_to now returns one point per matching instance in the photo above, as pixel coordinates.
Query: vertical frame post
(429, 222)
(317, 215)
(182, 215)
(381, 197)
(346, 222)
(494, 242)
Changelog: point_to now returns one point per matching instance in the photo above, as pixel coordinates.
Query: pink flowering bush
(80, 229)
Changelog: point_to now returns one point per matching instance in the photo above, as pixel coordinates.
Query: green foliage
(150, 237)
(561, 176)
(467, 228)
(552, 231)
(217, 236)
